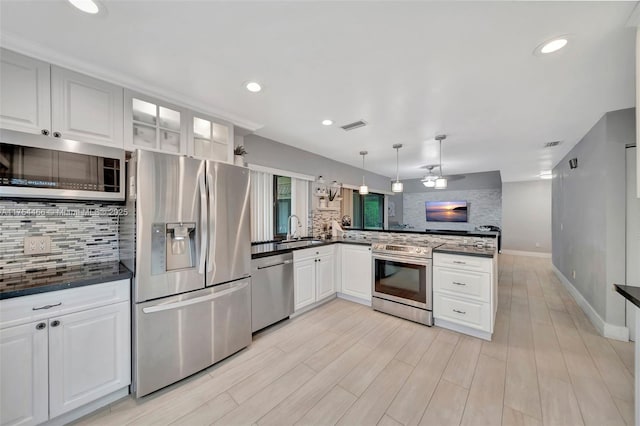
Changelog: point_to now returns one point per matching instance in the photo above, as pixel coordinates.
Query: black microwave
(35, 166)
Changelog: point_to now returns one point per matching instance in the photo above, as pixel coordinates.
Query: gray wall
(588, 213)
(526, 216)
(269, 153)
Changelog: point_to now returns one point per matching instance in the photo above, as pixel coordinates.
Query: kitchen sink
(297, 244)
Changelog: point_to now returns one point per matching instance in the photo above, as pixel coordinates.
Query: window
(281, 204)
(368, 211)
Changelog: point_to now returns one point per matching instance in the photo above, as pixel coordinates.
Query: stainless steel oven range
(402, 281)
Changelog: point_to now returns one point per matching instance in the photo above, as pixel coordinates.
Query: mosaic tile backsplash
(80, 233)
(489, 242)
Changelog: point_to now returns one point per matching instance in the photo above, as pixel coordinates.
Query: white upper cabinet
(25, 102)
(86, 109)
(154, 125)
(210, 138)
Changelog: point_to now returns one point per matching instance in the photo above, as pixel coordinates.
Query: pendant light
(441, 182)
(397, 185)
(364, 189)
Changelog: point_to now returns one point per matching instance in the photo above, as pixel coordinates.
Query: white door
(86, 109)
(356, 271)
(23, 374)
(25, 104)
(304, 279)
(633, 237)
(325, 281)
(88, 356)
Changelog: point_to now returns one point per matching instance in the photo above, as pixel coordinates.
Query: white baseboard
(526, 253)
(611, 331)
(438, 322)
(354, 299)
(88, 409)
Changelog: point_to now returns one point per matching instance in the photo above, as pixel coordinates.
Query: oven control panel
(400, 249)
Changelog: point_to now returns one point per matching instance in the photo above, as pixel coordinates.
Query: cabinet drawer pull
(41, 326)
(457, 283)
(57, 134)
(46, 307)
(459, 312)
(55, 323)
(459, 262)
(45, 132)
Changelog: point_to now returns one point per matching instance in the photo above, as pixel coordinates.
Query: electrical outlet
(573, 274)
(37, 245)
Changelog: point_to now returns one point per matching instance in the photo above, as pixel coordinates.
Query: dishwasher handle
(286, 262)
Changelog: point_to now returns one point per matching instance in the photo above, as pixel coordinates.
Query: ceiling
(410, 69)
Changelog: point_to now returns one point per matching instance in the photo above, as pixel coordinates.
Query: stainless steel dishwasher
(271, 290)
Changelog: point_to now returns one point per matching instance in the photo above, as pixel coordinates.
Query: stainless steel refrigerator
(187, 239)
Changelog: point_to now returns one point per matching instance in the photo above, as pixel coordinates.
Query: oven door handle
(411, 260)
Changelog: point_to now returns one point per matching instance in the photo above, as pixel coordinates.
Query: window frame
(276, 234)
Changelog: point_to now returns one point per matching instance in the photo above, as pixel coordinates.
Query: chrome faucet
(289, 234)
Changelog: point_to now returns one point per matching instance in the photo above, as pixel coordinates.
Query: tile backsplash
(489, 242)
(80, 233)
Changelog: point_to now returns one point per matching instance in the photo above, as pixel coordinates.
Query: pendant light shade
(441, 182)
(364, 189)
(397, 185)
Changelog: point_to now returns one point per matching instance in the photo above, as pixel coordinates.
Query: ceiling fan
(431, 180)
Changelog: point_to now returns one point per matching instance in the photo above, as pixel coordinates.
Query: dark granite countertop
(632, 294)
(26, 283)
(490, 234)
(266, 249)
(465, 250)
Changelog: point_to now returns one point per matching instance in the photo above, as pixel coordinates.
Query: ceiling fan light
(440, 183)
(429, 183)
(396, 187)
(364, 190)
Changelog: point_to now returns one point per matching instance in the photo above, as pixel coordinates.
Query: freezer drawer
(180, 335)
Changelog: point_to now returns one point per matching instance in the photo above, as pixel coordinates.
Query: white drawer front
(313, 252)
(20, 310)
(462, 283)
(465, 312)
(469, 263)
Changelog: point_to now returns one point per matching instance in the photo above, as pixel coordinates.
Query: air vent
(552, 143)
(354, 125)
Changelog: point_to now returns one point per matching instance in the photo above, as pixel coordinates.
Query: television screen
(446, 211)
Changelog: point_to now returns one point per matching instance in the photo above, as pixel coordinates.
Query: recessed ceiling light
(87, 6)
(552, 45)
(254, 87)
(327, 122)
(546, 174)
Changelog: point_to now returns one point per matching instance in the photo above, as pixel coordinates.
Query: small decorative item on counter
(323, 203)
(346, 220)
(239, 153)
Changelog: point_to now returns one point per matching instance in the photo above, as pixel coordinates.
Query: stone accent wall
(80, 233)
(485, 208)
(488, 242)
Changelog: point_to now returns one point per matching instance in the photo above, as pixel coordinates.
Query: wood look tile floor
(343, 363)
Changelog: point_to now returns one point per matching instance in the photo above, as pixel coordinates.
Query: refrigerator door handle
(211, 263)
(183, 303)
(204, 242)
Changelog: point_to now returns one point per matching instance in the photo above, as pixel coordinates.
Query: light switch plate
(37, 245)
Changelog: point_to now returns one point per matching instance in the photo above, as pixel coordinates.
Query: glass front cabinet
(210, 138)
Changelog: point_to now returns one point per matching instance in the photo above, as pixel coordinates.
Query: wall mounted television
(447, 211)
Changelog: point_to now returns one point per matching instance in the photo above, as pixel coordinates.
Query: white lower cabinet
(465, 293)
(62, 350)
(24, 380)
(88, 356)
(313, 272)
(357, 270)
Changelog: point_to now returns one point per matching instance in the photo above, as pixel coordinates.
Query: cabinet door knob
(57, 134)
(55, 323)
(41, 326)
(45, 132)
